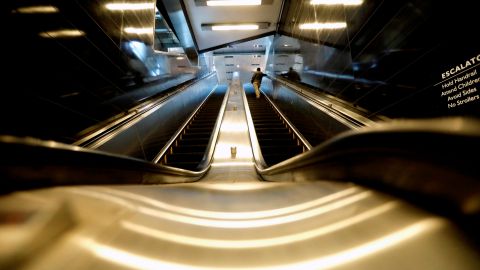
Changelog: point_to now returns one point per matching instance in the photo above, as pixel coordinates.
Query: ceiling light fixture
(336, 2)
(317, 26)
(234, 3)
(139, 31)
(227, 3)
(64, 33)
(37, 9)
(235, 26)
(129, 6)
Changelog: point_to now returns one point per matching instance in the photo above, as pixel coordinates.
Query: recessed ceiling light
(64, 33)
(336, 2)
(316, 26)
(136, 30)
(129, 6)
(233, 26)
(234, 3)
(37, 9)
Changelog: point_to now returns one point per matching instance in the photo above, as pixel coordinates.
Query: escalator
(189, 148)
(276, 139)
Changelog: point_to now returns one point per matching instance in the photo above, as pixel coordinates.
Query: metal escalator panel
(277, 142)
(189, 149)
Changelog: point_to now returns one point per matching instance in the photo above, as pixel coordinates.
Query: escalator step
(194, 141)
(184, 165)
(190, 148)
(184, 157)
(198, 135)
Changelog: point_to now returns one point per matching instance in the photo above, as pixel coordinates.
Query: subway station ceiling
(318, 21)
(203, 20)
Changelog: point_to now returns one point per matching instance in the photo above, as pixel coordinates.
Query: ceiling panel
(207, 40)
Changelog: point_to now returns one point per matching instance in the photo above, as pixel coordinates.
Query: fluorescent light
(234, 3)
(235, 27)
(336, 2)
(129, 6)
(333, 25)
(37, 9)
(62, 33)
(135, 30)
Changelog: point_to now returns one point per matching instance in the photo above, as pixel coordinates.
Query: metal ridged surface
(311, 225)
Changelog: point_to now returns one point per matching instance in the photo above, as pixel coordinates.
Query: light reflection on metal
(317, 26)
(234, 3)
(129, 6)
(138, 48)
(242, 215)
(368, 249)
(237, 224)
(127, 259)
(37, 9)
(336, 2)
(178, 50)
(136, 261)
(233, 164)
(63, 33)
(138, 30)
(103, 196)
(238, 186)
(259, 243)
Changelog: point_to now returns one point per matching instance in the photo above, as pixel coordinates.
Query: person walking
(257, 81)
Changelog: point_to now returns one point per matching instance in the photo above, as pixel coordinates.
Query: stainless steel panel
(311, 225)
(145, 138)
(307, 117)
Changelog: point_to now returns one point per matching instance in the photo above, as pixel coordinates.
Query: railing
(260, 163)
(99, 134)
(334, 107)
(28, 163)
(431, 161)
(207, 159)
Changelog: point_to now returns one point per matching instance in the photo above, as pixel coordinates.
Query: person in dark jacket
(257, 81)
(292, 75)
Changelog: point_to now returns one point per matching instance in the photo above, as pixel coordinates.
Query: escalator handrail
(28, 162)
(179, 132)
(106, 130)
(290, 125)
(260, 163)
(327, 104)
(257, 152)
(208, 156)
(427, 158)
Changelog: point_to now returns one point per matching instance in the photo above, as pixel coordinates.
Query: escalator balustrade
(188, 150)
(277, 142)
